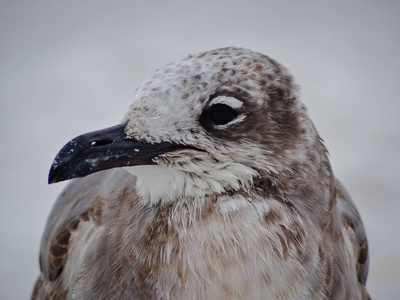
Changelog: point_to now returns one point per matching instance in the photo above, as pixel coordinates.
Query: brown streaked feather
(248, 209)
(83, 200)
(349, 219)
(120, 272)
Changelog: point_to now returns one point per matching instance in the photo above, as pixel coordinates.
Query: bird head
(222, 120)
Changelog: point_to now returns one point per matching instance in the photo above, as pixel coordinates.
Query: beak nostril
(100, 143)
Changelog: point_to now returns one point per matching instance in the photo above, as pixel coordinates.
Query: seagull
(215, 185)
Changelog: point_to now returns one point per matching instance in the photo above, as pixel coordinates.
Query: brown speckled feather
(110, 271)
(241, 204)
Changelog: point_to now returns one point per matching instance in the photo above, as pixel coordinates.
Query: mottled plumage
(233, 196)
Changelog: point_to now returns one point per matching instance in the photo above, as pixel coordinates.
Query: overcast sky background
(69, 67)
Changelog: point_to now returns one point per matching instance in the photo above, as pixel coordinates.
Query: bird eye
(221, 114)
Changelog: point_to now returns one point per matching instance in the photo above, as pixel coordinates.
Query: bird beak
(103, 149)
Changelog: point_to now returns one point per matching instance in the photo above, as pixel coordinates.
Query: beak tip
(51, 179)
(54, 175)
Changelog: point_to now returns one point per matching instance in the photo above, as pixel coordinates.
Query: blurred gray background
(68, 67)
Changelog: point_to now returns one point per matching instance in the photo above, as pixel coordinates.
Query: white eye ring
(238, 119)
(230, 101)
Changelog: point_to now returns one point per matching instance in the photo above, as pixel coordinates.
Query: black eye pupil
(221, 114)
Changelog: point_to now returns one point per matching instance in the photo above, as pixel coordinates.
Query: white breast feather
(195, 180)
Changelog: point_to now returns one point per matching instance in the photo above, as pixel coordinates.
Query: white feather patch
(158, 183)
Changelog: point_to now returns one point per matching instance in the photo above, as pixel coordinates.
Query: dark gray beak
(101, 150)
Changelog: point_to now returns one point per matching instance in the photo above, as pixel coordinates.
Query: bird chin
(157, 183)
